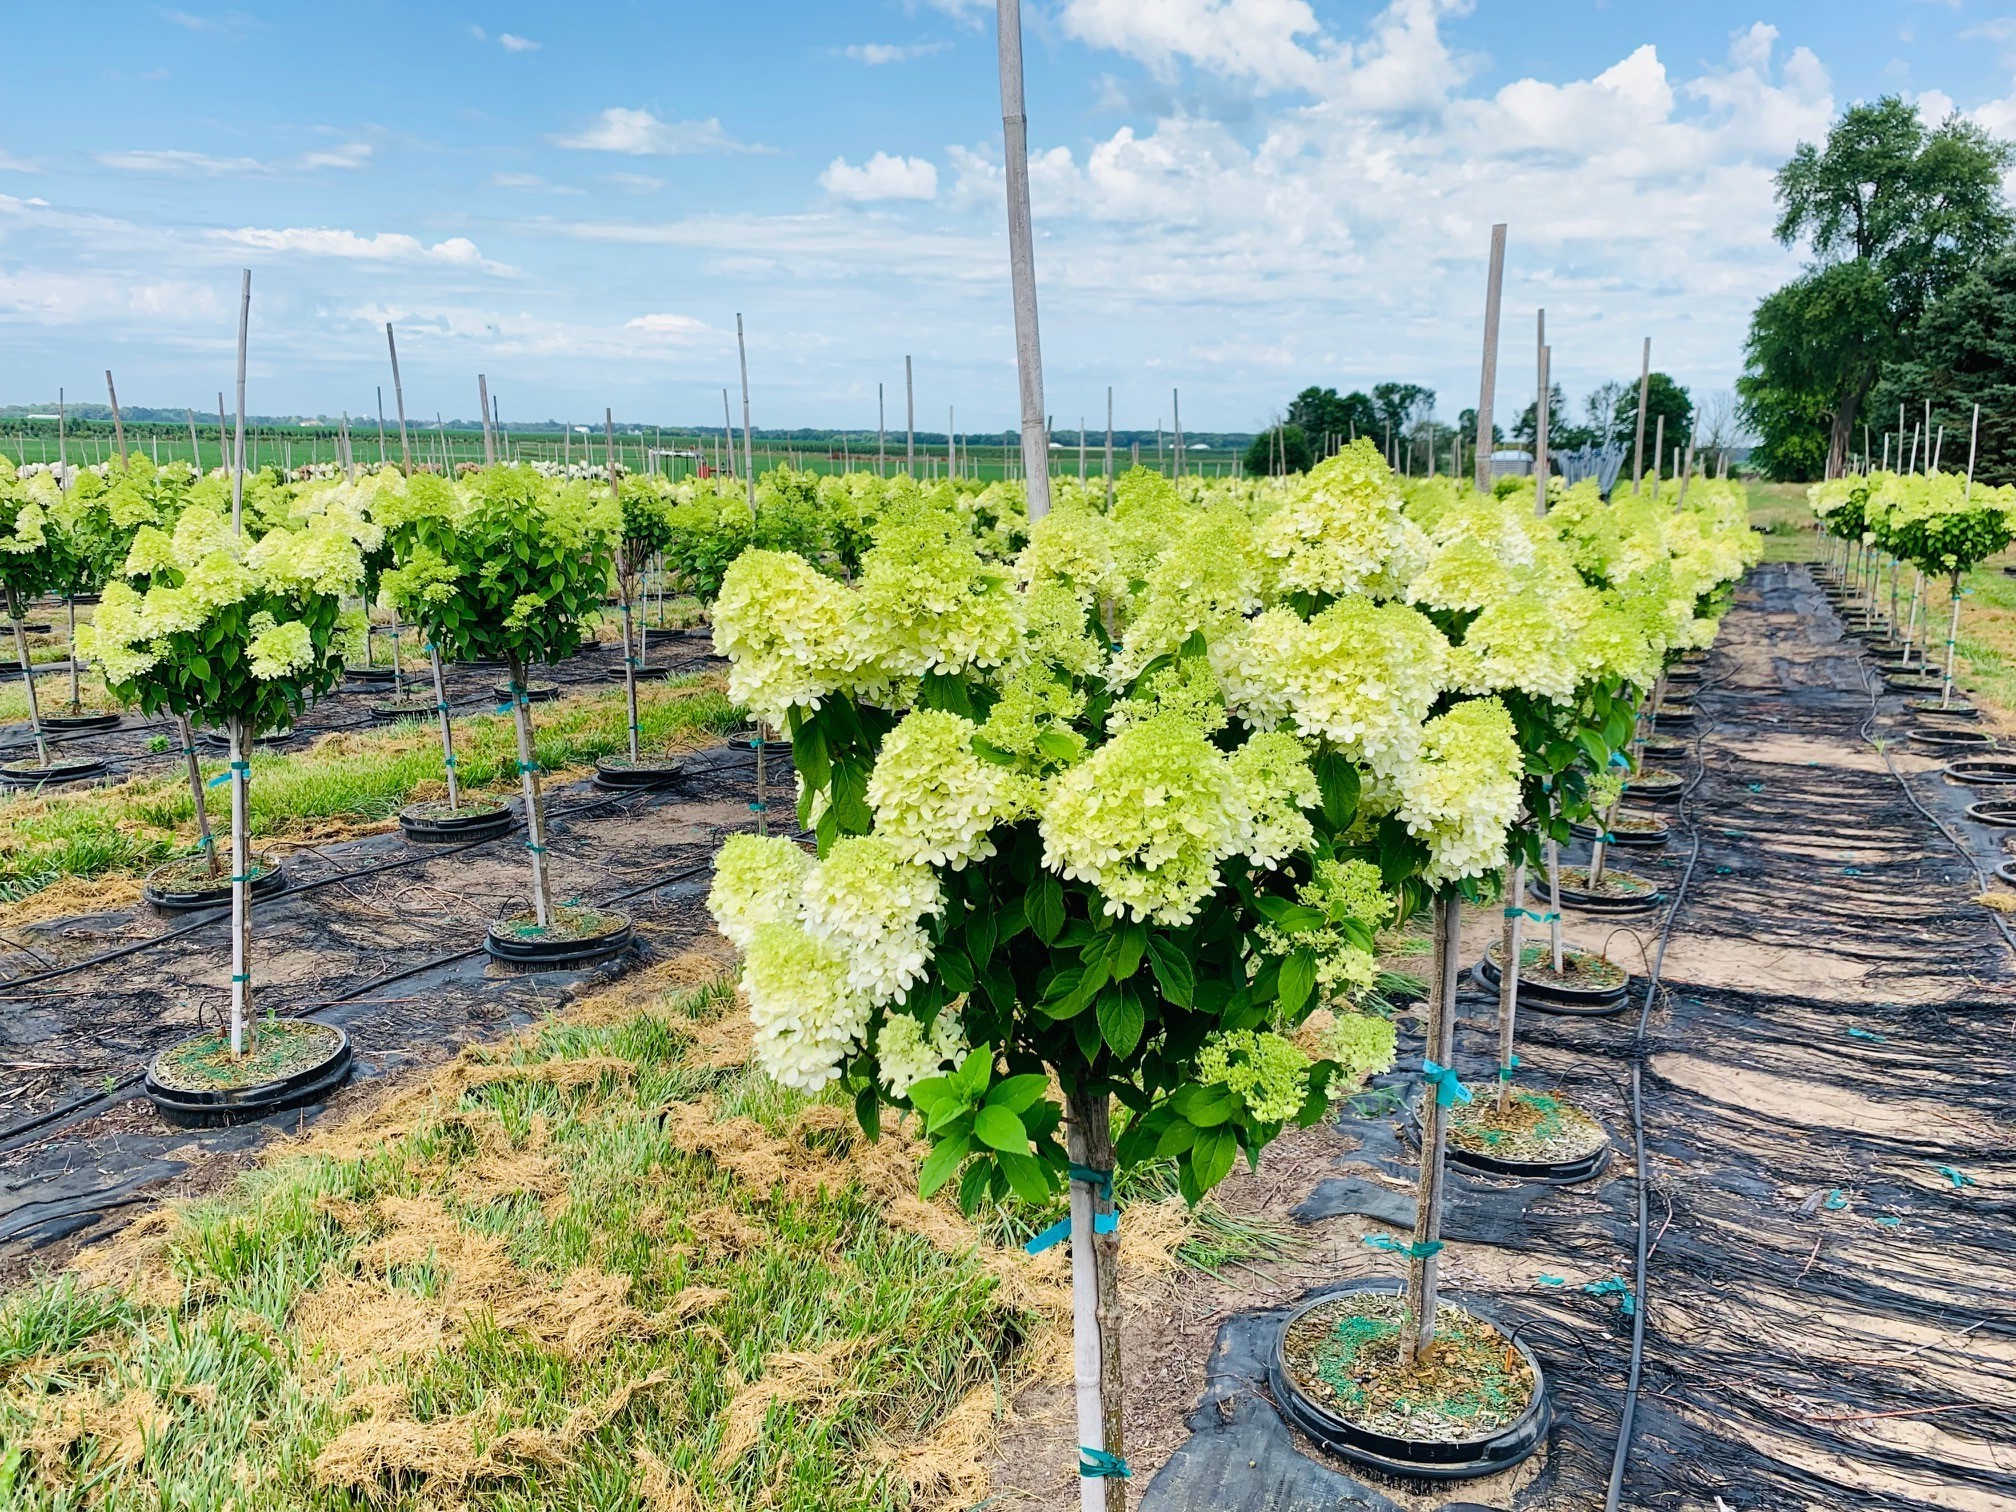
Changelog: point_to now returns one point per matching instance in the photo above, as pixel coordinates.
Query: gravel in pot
(1664, 748)
(393, 710)
(1475, 1404)
(1655, 785)
(621, 774)
(1628, 828)
(1912, 682)
(70, 724)
(1958, 709)
(198, 1082)
(368, 674)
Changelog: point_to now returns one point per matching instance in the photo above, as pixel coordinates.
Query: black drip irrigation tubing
(13, 1138)
(1635, 1373)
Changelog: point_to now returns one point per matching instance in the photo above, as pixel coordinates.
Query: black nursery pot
(534, 692)
(619, 774)
(177, 894)
(1629, 839)
(1982, 771)
(1610, 905)
(1955, 710)
(368, 674)
(1665, 791)
(433, 823)
(1545, 1172)
(393, 710)
(1572, 1002)
(217, 742)
(507, 943)
(745, 739)
(1951, 738)
(1460, 1459)
(1996, 813)
(66, 724)
(213, 1108)
(57, 772)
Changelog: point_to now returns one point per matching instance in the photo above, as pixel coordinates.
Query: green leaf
(1017, 1093)
(1012, 919)
(1337, 778)
(868, 1111)
(1121, 1020)
(1045, 902)
(954, 970)
(998, 1127)
(1124, 953)
(928, 1093)
(1212, 1156)
(1025, 1175)
(1298, 980)
(942, 1162)
(1206, 1107)
(1599, 753)
(808, 754)
(973, 1185)
(1172, 971)
(1177, 1138)
(980, 931)
(974, 1072)
(1295, 918)
(1059, 746)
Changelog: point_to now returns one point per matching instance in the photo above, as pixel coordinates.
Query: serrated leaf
(1212, 1156)
(1337, 780)
(1297, 981)
(1121, 1020)
(1025, 1176)
(1000, 1128)
(868, 1112)
(942, 1162)
(954, 970)
(1124, 953)
(1017, 1093)
(1173, 974)
(974, 1072)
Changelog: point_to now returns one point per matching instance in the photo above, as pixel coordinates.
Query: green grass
(357, 777)
(402, 1290)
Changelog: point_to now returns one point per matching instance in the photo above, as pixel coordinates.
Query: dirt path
(1828, 1081)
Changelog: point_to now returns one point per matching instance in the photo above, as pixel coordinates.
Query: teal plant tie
(1958, 1177)
(1505, 1072)
(531, 847)
(1449, 1088)
(1888, 1220)
(1422, 1251)
(447, 761)
(1864, 1034)
(1101, 1183)
(1621, 1290)
(1527, 913)
(1553, 1280)
(241, 976)
(1097, 1464)
(759, 808)
(1835, 1201)
(527, 766)
(1619, 759)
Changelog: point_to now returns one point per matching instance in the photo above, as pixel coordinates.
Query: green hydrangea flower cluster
(1269, 1073)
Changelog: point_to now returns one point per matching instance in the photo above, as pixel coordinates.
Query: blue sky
(1237, 197)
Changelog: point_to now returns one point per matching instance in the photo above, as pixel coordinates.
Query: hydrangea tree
(240, 632)
(1941, 523)
(507, 566)
(1118, 819)
(27, 570)
(646, 531)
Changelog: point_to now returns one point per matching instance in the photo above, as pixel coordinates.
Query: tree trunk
(76, 691)
(1095, 1298)
(1422, 1264)
(196, 795)
(626, 584)
(447, 731)
(28, 679)
(1952, 635)
(1840, 440)
(1911, 624)
(1508, 984)
(398, 673)
(528, 773)
(241, 888)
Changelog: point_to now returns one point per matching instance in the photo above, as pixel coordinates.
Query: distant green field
(675, 455)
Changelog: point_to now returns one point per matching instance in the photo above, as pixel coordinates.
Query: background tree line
(1909, 297)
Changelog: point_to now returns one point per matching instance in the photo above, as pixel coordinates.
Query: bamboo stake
(748, 457)
(1658, 454)
(1508, 983)
(399, 399)
(910, 421)
(238, 450)
(1644, 395)
(1422, 1268)
(195, 451)
(197, 797)
(27, 679)
(1022, 261)
(881, 435)
(1494, 289)
(1109, 448)
(1176, 423)
(1541, 415)
(118, 426)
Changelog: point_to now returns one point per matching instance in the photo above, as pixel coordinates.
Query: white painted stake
(238, 446)
(1494, 289)
(748, 457)
(1022, 261)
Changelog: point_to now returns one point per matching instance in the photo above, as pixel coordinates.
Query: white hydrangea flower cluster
(1341, 528)
(905, 1053)
(1073, 547)
(1524, 641)
(1462, 792)
(806, 1017)
(868, 901)
(934, 800)
(756, 882)
(789, 632)
(928, 604)
(1272, 786)
(1359, 674)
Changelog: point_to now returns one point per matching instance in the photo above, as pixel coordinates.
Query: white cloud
(882, 177)
(513, 44)
(176, 163)
(683, 327)
(1258, 40)
(641, 134)
(531, 182)
(12, 164)
(636, 183)
(875, 54)
(382, 246)
(477, 32)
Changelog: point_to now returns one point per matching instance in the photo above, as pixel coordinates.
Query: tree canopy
(1895, 214)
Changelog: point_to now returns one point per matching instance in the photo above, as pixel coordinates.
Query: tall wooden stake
(489, 436)
(1644, 392)
(238, 444)
(1109, 448)
(195, 451)
(1022, 261)
(118, 426)
(399, 400)
(1494, 290)
(748, 457)
(1441, 1048)
(1541, 413)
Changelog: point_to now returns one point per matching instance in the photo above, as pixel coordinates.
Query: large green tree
(1895, 213)
(1321, 412)
(1279, 449)
(1664, 399)
(1965, 355)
